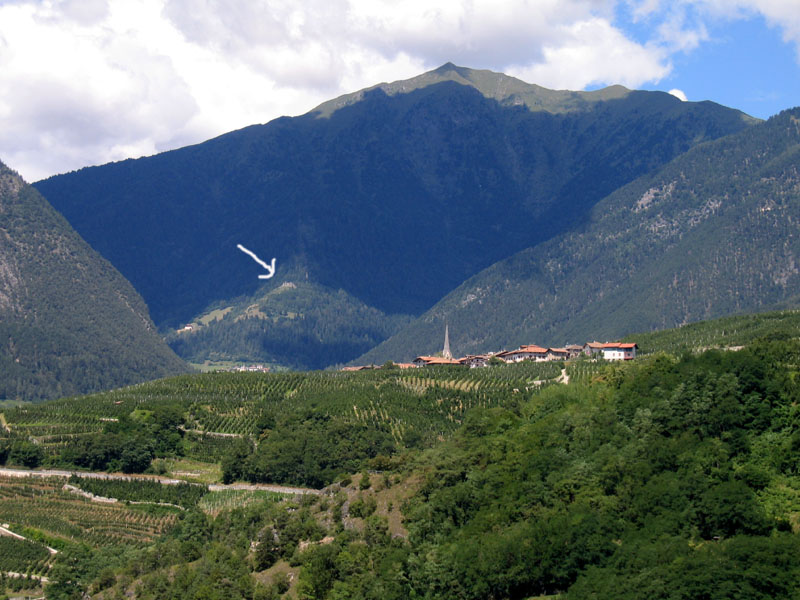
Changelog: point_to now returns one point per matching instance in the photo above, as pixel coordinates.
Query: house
(619, 351)
(592, 348)
(557, 354)
(475, 360)
(527, 352)
(574, 350)
(433, 361)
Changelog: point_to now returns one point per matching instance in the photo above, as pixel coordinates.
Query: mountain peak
(506, 89)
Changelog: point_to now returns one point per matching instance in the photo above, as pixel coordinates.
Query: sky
(85, 82)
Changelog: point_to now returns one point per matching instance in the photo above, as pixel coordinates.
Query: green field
(720, 333)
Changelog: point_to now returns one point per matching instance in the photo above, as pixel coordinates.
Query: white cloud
(685, 21)
(88, 81)
(679, 94)
(594, 52)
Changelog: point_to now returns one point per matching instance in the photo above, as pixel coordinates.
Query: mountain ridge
(395, 199)
(709, 234)
(69, 322)
(496, 86)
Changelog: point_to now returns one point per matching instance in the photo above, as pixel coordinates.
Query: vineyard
(41, 510)
(583, 371)
(220, 408)
(720, 333)
(23, 556)
(214, 503)
(185, 495)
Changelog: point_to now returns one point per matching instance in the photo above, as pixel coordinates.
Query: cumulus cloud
(594, 52)
(685, 21)
(89, 81)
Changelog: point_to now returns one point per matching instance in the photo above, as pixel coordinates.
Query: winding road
(214, 487)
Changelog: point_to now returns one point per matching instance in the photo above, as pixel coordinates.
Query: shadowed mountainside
(69, 322)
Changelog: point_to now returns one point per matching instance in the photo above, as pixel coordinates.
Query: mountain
(713, 233)
(69, 322)
(395, 195)
(292, 323)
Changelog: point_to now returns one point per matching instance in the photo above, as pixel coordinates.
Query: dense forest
(671, 476)
(69, 322)
(711, 233)
(289, 322)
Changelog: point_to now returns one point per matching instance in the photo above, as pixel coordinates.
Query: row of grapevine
(43, 506)
(23, 556)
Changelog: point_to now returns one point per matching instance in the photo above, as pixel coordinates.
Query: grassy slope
(290, 323)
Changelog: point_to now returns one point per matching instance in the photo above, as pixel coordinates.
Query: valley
(513, 480)
(182, 419)
(380, 203)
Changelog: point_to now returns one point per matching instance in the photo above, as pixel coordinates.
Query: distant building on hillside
(526, 352)
(592, 348)
(574, 350)
(433, 361)
(475, 360)
(619, 351)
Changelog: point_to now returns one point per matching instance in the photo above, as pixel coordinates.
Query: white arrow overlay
(269, 267)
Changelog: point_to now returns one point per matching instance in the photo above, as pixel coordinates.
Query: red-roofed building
(526, 352)
(433, 361)
(619, 351)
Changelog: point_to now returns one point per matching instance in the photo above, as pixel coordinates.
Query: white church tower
(446, 352)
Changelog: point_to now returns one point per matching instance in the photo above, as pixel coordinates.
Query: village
(530, 352)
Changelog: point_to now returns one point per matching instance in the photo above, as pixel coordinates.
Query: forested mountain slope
(288, 322)
(395, 195)
(69, 322)
(713, 233)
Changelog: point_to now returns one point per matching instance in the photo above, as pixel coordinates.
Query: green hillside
(664, 477)
(305, 425)
(396, 197)
(69, 322)
(727, 332)
(289, 322)
(712, 233)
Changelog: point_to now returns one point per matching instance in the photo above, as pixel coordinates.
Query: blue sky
(85, 82)
(745, 64)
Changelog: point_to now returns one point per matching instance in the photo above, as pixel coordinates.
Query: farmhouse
(527, 352)
(432, 361)
(619, 351)
(574, 350)
(593, 348)
(475, 360)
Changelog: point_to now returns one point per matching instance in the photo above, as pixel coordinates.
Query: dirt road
(214, 487)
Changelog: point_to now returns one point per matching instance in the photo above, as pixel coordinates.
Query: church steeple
(446, 352)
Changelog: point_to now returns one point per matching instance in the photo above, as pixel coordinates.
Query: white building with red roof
(619, 351)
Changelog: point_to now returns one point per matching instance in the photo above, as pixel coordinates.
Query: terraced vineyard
(583, 371)
(720, 333)
(23, 556)
(219, 408)
(215, 502)
(40, 508)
